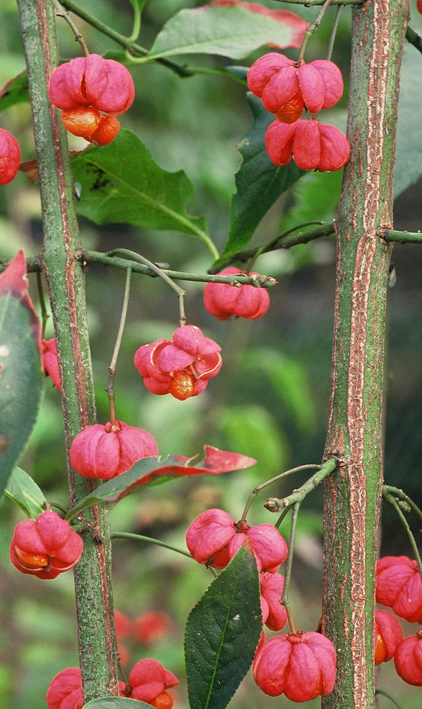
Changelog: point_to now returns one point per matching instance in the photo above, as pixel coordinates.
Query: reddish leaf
(153, 470)
(283, 16)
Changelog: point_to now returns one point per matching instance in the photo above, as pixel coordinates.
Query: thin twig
(159, 271)
(78, 36)
(312, 28)
(41, 298)
(394, 503)
(414, 38)
(382, 693)
(330, 48)
(112, 368)
(257, 489)
(275, 505)
(285, 600)
(399, 493)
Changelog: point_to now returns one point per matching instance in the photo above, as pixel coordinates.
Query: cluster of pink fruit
(148, 682)
(213, 538)
(181, 367)
(286, 89)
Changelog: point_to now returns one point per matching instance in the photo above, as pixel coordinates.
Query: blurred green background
(270, 400)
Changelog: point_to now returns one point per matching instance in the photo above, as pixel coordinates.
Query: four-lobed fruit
(300, 665)
(313, 145)
(388, 636)
(182, 366)
(246, 301)
(107, 451)
(408, 659)
(214, 537)
(286, 88)
(65, 690)
(274, 614)
(149, 681)
(10, 156)
(92, 91)
(399, 587)
(45, 547)
(50, 361)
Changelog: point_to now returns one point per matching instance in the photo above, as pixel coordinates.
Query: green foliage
(25, 493)
(259, 182)
(20, 380)
(228, 31)
(122, 183)
(116, 703)
(15, 91)
(254, 431)
(222, 634)
(289, 380)
(408, 166)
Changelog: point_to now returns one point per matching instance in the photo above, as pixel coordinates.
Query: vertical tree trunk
(352, 495)
(64, 276)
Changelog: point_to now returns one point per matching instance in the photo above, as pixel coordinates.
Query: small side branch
(395, 504)
(414, 38)
(113, 363)
(276, 505)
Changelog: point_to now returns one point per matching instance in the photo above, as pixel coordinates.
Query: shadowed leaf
(20, 366)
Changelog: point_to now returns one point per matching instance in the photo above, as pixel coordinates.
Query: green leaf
(222, 633)
(259, 182)
(122, 183)
(228, 31)
(15, 91)
(408, 166)
(23, 491)
(20, 366)
(289, 380)
(153, 471)
(116, 703)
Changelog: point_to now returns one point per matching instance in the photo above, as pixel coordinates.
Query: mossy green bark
(352, 494)
(65, 280)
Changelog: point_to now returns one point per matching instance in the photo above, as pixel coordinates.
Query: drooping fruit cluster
(148, 682)
(213, 539)
(286, 89)
(243, 301)
(181, 366)
(107, 451)
(10, 156)
(399, 586)
(45, 547)
(92, 91)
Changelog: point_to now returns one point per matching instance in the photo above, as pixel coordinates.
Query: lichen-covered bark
(352, 495)
(64, 277)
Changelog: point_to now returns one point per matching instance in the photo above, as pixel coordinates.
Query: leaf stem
(141, 259)
(312, 28)
(257, 489)
(65, 15)
(285, 599)
(137, 10)
(393, 502)
(112, 368)
(56, 505)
